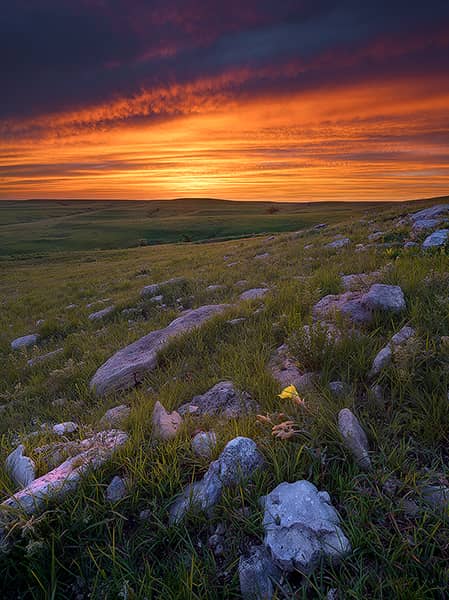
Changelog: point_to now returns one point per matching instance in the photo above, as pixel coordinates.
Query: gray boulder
(65, 428)
(258, 575)
(254, 294)
(337, 244)
(302, 527)
(155, 288)
(25, 341)
(436, 239)
(127, 367)
(386, 298)
(204, 443)
(423, 224)
(116, 490)
(101, 314)
(20, 468)
(354, 437)
(349, 304)
(223, 400)
(238, 461)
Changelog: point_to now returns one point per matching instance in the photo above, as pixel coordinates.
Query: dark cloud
(63, 55)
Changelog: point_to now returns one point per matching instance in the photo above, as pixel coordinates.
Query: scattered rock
(65, 478)
(241, 283)
(215, 288)
(115, 417)
(436, 496)
(65, 428)
(37, 360)
(258, 575)
(337, 244)
(238, 461)
(377, 235)
(25, 341)
(236, 321)
(385, 355)
(223, 400)
(127, 367)
(284, 369)
(430, 213)
(410, 244)
(101, 314)
(116, 490)
(154, 288)
(165, 425)
(357, 281)
(204, 443)
(354, 437)
(387, 298)
(423, 224)
(263, 256)
(254, 294)
(436, 239)
(20, 468)
(302, 527)
(339, 388)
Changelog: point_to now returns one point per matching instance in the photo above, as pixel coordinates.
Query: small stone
(25, 341)
(354, 437)
(337, 244)
(258, 575)
(263, 256)
(204, 443)
(116, 490)
(20, 468)
(237, 321)
(254, 294)
(101, 314)
(65, 428)
(339, 388)
(436, 239)
(222, 400)
(381, 361)
(115, 417)
(44, 357)
(145, 515)
(165, 425)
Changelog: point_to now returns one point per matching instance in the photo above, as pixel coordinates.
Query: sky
(292, 100)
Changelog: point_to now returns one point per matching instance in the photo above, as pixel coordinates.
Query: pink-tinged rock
(165, 425)
(65, 478)
(127, 367)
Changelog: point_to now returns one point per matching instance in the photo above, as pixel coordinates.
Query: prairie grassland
(86, 548)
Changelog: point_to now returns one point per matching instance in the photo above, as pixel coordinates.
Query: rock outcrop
(127, 367)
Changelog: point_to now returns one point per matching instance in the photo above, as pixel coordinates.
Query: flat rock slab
(127, 367)
(223, 400)
(238, 461)
(65, 478)
(302, 527)
(25, 341)
(436, 239)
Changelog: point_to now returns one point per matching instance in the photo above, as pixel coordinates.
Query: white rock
(65, 428)
(101, 314)
(165, 425)
(302, 527)
(20, 468)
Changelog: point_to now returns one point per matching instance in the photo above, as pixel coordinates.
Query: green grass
(85, 547)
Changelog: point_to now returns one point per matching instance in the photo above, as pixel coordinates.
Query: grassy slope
(44, 226)
(85, 546)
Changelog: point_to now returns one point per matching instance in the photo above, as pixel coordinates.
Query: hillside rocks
(302, 527)
(359, 307)
(116, 490)
(65, 478)
(127, 367)
(25, 341)
(115, 417)
(284, 369)
(423, 224)
(258, 575)
(354, 437)
(223, 400)
(254, 294)
(44, 357)
(20, 468)
(101, 314)
(436, 239)
(430, 213)
(337, 244)
(155, 288)
(238, 461)
(384, 357)
(165, 425)
(204, 443)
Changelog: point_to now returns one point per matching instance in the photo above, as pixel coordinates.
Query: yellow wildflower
(291, 393)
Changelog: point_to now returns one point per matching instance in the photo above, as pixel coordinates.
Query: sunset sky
(242, 99)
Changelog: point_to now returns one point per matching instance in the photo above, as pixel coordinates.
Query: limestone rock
(101, 314)
(65, 428)
(165, 425)
(65, 478)
(20, 468)
(238, 461)
(436, 239)
(354, 437)
(337, 244)
(204, 443)
(387, 298)
(223, 400)
(258, 575)
(115, 417)
(302, 527)
(127, 367)
(25, 341)
(254, 294)
(116, 490)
